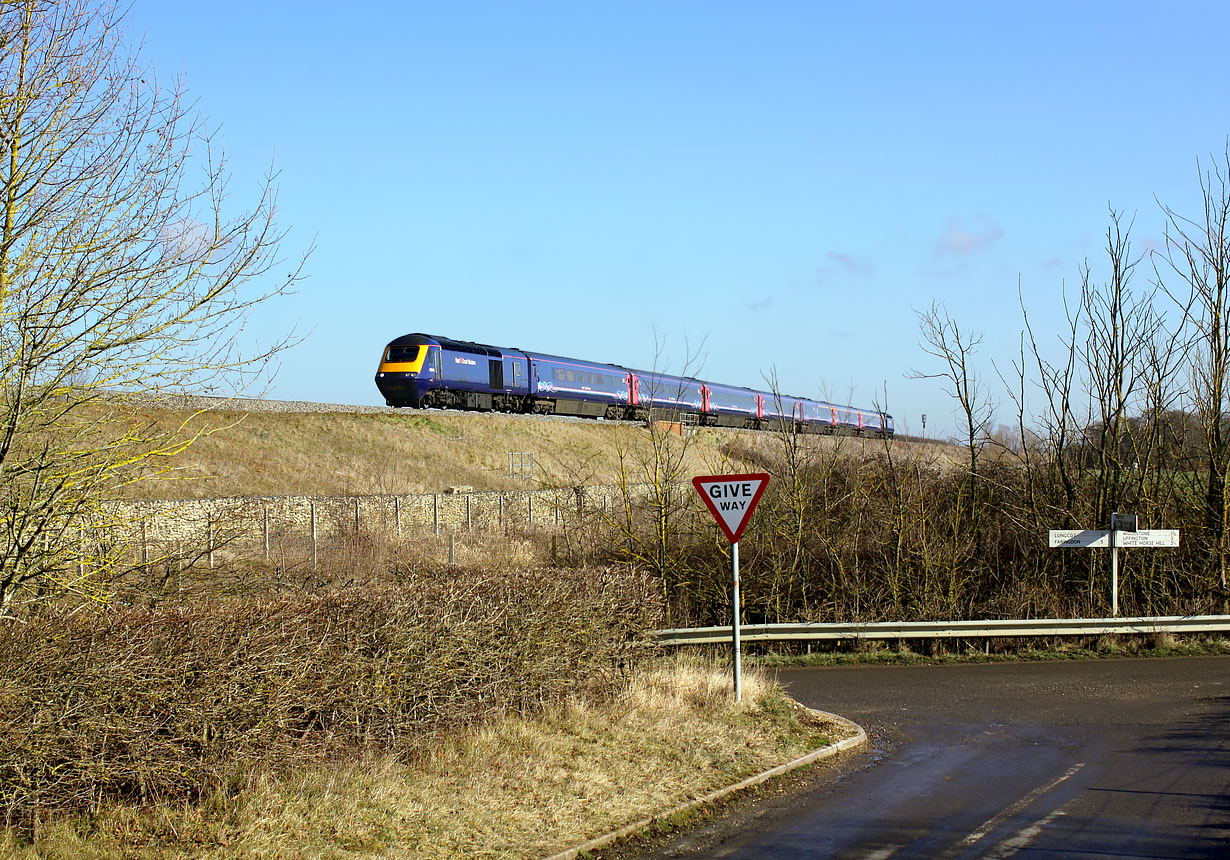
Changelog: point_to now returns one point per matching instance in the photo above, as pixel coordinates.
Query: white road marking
(1010, 846)
(995, 821)
(882, 854)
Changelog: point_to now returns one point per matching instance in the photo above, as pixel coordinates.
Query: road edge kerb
(856, 740)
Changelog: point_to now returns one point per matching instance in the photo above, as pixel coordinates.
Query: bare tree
(121, 275)
(1121, 328)
(1198, 253)
(795, 464)
(1057, 423)
(944, 340)
(655, 498)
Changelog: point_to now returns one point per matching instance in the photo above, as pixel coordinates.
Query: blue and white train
(421, 370)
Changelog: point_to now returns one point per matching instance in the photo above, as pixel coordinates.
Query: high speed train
(422, 370)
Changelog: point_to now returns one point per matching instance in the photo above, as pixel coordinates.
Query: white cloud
(840, 263)
(961, 240)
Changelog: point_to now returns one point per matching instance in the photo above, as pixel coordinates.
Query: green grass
(1108, 647)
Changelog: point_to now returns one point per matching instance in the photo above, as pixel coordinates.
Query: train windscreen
(402, 354)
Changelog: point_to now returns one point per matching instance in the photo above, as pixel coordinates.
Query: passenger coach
(421, 370)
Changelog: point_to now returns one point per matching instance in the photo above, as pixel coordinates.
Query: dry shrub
(151, 705)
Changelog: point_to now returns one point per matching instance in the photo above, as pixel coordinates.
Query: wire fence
(205, 531)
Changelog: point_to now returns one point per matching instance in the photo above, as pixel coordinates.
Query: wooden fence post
(312, 514)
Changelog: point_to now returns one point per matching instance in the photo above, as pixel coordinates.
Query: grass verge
(1105, 647)
(519, 787)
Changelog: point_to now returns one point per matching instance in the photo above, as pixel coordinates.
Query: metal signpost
(731, 499)
(1123, 532)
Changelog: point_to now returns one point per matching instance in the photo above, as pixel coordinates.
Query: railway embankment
(286, 448)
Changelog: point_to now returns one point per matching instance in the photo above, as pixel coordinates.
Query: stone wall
(256, 520)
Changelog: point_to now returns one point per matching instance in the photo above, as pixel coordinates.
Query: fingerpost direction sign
(731, 499)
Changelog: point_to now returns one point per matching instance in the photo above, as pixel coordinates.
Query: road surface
(1123, 758)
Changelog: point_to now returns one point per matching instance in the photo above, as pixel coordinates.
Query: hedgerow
(171, 703)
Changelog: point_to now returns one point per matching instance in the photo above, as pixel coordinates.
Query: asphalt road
(1095, 759)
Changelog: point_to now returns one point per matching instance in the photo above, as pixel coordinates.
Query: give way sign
(731, 499)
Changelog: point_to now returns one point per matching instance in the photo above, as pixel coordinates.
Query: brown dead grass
(519, 788)
(342, 453)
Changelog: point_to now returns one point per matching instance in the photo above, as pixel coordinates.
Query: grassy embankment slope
(344, 453)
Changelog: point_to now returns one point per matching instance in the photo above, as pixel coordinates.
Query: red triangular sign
(731, 499)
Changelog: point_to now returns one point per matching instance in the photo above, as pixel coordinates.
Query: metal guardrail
(993, 629)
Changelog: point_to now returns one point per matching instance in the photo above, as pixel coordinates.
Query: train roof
(566, 359)
(451, 344)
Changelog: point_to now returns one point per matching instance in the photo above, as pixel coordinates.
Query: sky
(735, 189)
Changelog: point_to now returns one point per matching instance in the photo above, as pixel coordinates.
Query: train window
(572, 376)
(559, 374)
(590, 378)
(402, 353)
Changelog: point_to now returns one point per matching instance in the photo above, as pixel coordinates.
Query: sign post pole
(731, 499)
(1118, 523)
(736, 645)
(1114, 573)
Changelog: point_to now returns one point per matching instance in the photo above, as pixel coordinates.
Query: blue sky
(773, 186)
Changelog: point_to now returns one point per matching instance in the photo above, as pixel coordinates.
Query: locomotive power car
(421, 370)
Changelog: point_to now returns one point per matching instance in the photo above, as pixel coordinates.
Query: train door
(435, 361)
(518, 370)
(497, 374)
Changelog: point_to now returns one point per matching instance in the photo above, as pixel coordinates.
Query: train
(421, 370)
